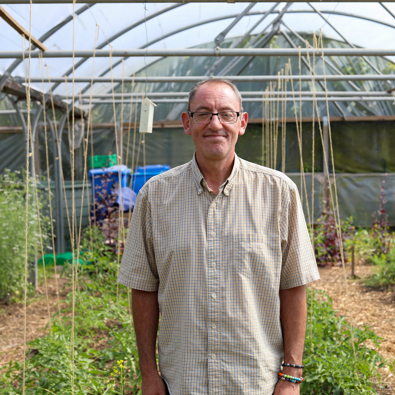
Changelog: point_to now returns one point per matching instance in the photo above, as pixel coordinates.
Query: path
(12, 322)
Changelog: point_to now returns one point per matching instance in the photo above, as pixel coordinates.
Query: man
(218, 246)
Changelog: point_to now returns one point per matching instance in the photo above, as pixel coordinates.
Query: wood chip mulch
(363, 305)
(37, 318)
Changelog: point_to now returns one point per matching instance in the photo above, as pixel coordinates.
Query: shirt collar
(226, 186)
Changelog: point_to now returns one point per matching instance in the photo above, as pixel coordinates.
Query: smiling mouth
(215, 136)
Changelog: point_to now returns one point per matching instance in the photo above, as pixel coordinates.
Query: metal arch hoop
(43, 38)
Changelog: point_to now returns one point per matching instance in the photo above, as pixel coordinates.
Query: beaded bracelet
(292, 365)
(291, 379)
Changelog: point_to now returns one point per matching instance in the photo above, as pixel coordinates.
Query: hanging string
(38, 210)
(299, 135)
(130, 126)
(279, 88)
(335, 204)
(267, 127)
(90, 134)
(263, 128)
(134, 148)
(28, 155)
(284, 119)
(117, 149)
(85, 146)
(73, 264)
(49, 191)
(312, 74)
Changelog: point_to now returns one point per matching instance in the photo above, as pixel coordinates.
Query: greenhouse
(77, 80)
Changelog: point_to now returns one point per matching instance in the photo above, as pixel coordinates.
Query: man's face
(215, 141)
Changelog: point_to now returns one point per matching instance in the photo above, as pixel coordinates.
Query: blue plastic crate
(139, 178)
(96, 178)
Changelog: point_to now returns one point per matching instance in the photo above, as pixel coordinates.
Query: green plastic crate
(99, 161)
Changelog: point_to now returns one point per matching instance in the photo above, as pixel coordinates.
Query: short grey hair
(195, 88)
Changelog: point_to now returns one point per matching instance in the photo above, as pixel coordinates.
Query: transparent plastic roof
(178, 25)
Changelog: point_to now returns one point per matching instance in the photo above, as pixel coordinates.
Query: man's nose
(215, 123)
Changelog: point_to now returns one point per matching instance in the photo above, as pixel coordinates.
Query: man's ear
(243, 123)
(186, 122)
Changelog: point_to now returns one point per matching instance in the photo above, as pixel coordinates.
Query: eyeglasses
(223, 116)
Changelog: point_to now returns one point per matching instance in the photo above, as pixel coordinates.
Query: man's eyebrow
(202, 108)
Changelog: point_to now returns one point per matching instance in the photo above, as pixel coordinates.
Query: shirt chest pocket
(256, 256)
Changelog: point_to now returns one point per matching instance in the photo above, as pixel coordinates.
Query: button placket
(214, 294)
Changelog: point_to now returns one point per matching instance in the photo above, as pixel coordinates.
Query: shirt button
(214, 205)
(214, 265)
(213, 234)
(213, 356)
(214, 326)
(213, 295)
(200, 190)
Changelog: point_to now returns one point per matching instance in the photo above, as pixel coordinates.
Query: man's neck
(215, 172)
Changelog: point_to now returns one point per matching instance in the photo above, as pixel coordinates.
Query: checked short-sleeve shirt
(218, 263)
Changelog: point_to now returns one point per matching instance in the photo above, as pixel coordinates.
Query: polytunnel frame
(217, 52)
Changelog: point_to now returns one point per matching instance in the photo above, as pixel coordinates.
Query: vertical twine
(73, 221)
(279, 88)
(49, 194)
(28, 155)
(263, 128)
(284, 119)
(335, 205)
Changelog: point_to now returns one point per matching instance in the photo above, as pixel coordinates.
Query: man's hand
(286, 388)
(153, 385)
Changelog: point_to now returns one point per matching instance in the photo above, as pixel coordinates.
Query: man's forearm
(146, 317)
(293, 321)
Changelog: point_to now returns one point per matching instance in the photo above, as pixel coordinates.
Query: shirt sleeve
(299, 266)
(138, 268)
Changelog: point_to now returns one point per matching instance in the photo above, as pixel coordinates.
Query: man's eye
(226, 115)
(202, 114)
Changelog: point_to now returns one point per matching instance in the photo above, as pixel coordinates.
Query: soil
(364, 305)
(359, 304)
(37, 318)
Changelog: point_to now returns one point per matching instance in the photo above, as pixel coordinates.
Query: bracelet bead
(292, 365)
(289, 378)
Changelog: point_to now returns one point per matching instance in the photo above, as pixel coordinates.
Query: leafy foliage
(381, 239)
(12, 232)
(326, 240)
(332, 364)
(384, 275)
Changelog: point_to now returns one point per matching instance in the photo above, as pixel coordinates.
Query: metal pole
(234, 78)
(255, 100)
(246, 34)
(44, 37)
(244, 94)
(216, 52)
(116, 35)
(137, 1)
(218, 40)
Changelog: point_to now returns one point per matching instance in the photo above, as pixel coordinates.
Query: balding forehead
(219, 82)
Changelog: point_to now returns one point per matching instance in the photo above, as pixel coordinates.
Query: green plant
(326, 241)
(336, 358)
(381, 237)
(384, 275)
(13, 194)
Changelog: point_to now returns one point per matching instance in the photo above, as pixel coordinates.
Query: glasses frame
(212, 114)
